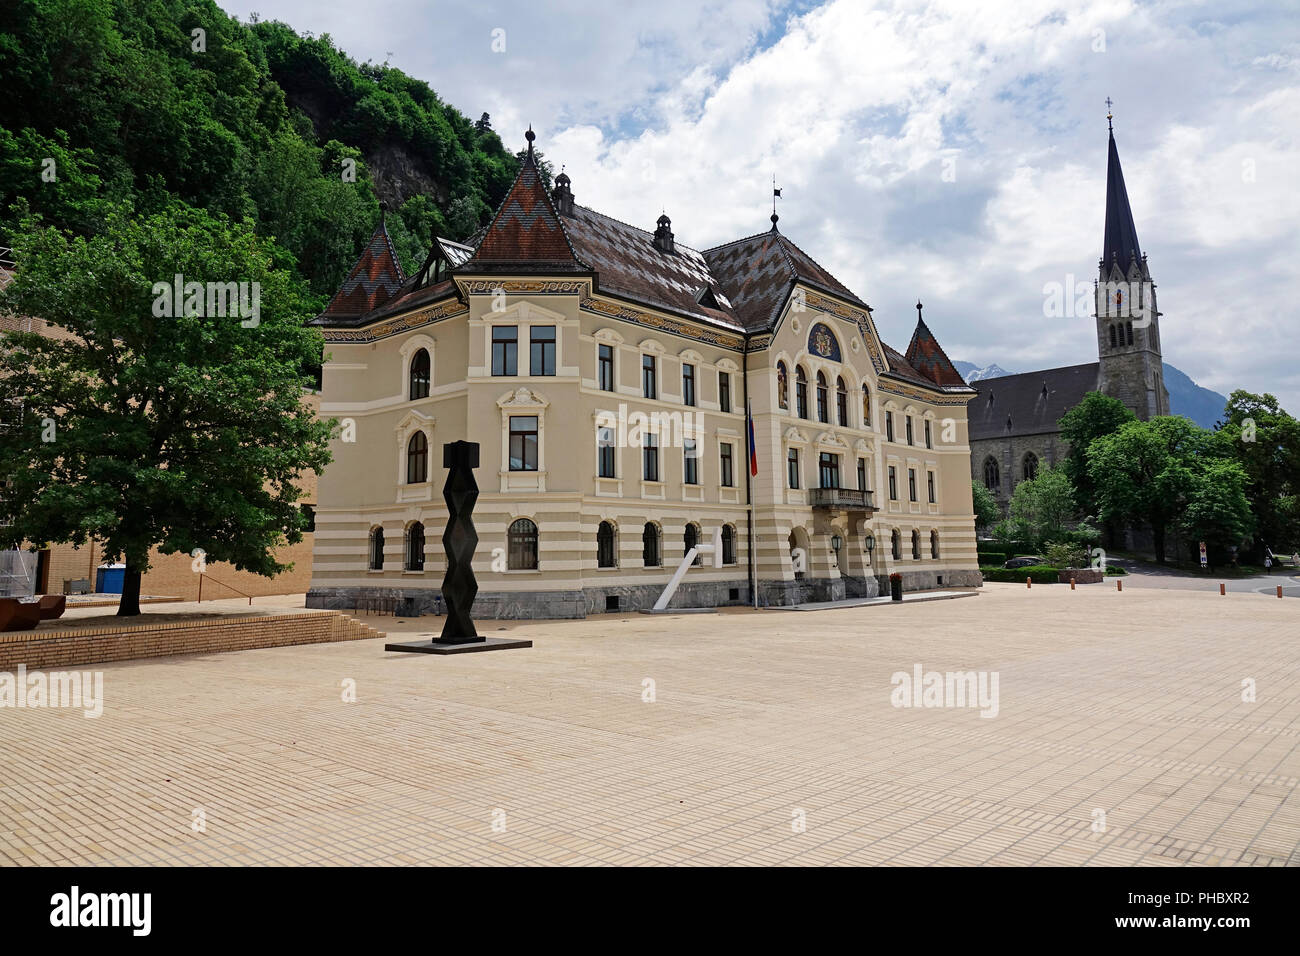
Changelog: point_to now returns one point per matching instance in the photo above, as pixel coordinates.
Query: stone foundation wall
(75, 646)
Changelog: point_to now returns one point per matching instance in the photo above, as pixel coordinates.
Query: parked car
(1025, 561)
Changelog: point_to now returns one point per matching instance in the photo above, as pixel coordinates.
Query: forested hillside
(153, 103)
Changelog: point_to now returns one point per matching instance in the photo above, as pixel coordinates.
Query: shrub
(1066, 554)
(1114, 571)
(1041, 573)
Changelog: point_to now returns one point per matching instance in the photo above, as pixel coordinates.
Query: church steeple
(1121, 242)
(1128, 322)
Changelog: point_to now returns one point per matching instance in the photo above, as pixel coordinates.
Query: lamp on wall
(871, 545)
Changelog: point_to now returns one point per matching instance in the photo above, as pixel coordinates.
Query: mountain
(972, 373)
(1201, 405)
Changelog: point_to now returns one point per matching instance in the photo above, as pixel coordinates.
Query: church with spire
(1014, 421)
(611, 376)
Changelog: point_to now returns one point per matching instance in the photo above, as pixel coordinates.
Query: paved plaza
(1121, 737)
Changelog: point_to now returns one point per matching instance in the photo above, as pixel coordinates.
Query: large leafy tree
(1149, 472)
(142, 428)
(1265, 440)
(1216, 510)
(1094, 416)
(987, 512)
(1041, 507)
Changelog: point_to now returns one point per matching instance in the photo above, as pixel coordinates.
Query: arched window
(916, 545)
(419, 377)
(800, 392)
(650, 554)
(782, 386)
(866, 407)
(376, 549)
(1029, 470)
(417, 459)
(823, 414)
(1128, 330)
(521, 546)
(992, 477)
(841, 403)
(690, 538)
(415, 547)
(896, 545)
(1113, 342)
(728, 544)
(934, 545)
(605, 557)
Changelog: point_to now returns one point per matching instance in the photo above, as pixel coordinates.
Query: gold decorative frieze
(923, 395)
(403, 323)
(524, 286)
(650, 320)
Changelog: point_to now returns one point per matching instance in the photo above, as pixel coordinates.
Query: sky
(947, 151)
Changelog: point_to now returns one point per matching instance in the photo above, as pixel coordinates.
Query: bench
(18, 615)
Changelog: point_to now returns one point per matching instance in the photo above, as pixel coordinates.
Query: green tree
(987, 512)
(1216, 510)
(1041, 507)
(1144, 472)
(1265, 440)
(158, 422)
(1094, 416)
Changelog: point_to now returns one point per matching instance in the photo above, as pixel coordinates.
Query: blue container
(109, 578)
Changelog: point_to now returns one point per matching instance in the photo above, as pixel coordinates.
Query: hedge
(1041, 573)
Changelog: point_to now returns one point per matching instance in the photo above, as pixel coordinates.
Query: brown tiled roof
(926, 356)
(740, 285)
(1030, 403)
(628, 264)
(758, 272)
(526, 233)
(374, 280)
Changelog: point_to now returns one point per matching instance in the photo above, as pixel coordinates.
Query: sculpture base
(437, 647)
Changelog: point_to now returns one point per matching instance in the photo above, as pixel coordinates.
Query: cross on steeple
(1108, 115)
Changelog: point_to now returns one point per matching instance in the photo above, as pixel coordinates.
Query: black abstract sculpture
(459, 539)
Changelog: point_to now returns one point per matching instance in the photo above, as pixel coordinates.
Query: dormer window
(706, 298)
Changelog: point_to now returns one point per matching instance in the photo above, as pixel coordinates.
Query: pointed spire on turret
(1120, 245)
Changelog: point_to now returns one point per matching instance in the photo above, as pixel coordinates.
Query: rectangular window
(541, 338)
(911, 484)
(828, 470)
(792, 467)
(523, 442)
(889, 426)
(688, 384)
(648, 383)
(690, 461)
(309, 515)
(724, 391)
(928, 442)
(930, 482)
(605, 368)
(862, 474)
(650, 457)
(842, 407)
(893, 483)
(505, 350)
(725, 466)
(605, 452)
(909, 429)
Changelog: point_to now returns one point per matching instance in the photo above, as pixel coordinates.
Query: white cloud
(692, 107)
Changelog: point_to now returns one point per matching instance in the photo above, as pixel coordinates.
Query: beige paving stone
(1126, 703)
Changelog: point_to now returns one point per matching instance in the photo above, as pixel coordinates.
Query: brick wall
(76, 646)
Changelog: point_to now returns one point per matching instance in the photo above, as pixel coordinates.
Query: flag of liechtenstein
(753, 451)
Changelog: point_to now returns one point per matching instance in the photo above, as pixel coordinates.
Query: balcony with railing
(841, 499)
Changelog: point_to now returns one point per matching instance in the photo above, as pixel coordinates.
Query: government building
(1014, 423)
(605, 371)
